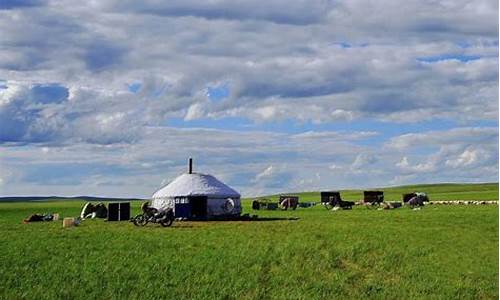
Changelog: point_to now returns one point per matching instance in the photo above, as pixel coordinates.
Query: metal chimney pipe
(190, 165)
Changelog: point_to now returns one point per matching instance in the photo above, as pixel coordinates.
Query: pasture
(437, 252)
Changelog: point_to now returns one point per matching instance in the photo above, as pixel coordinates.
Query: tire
(140, 220)
(167, 222)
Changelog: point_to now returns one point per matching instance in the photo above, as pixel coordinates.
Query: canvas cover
(196, 184)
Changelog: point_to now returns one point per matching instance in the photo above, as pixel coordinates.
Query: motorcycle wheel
(167, 222)
(140, 220)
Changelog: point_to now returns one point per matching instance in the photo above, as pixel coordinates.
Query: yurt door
(198, 206)
(182, 208)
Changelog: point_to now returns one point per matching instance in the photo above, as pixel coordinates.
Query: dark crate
(330, 196)
(113, 212)
(255, 205)
(119, 211)
(124, 211)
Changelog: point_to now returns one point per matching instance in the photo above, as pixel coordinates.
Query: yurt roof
(196, 184)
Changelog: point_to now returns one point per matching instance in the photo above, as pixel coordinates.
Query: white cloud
(405, 166)
(299, 69)
(332, 64)
(363, 160)
(463, 135)
(466, 158)
(195, 111)
(471, 157)
(252, 162)
(335, 167)
(266, 173)
(334, 135)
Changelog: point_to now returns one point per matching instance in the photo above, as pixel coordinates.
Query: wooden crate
(68, 222)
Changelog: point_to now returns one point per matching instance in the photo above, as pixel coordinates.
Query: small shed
(373, 196)
(289, 201)
(330, 197)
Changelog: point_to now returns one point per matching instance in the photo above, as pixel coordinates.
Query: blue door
(182, 208)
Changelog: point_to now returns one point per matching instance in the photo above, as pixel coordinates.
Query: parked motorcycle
(165, 218)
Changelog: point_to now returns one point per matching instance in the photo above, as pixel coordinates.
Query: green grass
(444, 252)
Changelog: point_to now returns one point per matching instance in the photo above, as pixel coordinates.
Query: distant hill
(59, 198)
(442, 191)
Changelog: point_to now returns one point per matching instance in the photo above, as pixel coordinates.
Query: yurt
(198, 196)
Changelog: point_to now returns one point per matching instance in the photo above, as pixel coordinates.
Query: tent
(198, 196)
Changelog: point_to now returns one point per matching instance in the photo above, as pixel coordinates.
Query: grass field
(441, 252)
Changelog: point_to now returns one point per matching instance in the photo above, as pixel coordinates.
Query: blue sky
(111, 98)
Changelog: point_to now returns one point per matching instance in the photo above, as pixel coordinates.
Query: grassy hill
(446, 191)
(58, 198)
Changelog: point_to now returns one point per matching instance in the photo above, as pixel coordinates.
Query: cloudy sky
(111, 97)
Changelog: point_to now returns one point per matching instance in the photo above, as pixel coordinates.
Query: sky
(110, 98)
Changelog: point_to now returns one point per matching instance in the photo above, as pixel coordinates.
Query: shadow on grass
(242, 219)
(188, 224)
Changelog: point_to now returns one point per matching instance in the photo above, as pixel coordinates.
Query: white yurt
(198, 196)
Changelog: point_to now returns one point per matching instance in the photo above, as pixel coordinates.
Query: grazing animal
(390, 205)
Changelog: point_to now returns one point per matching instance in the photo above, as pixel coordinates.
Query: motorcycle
(165, 218)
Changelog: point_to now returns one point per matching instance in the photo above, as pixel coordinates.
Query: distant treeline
(56, 198)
